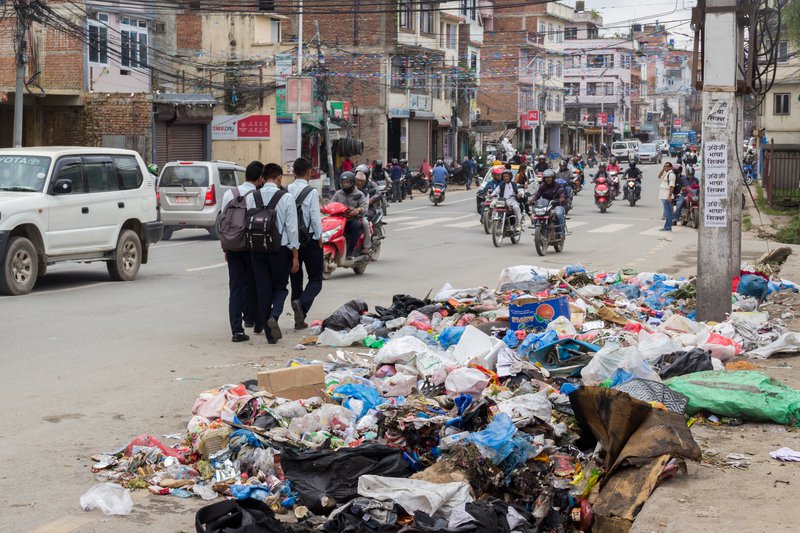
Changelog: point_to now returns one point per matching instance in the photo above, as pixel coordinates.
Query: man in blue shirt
(396, 173)
(272, 270)
(440, 174)
(310, 253)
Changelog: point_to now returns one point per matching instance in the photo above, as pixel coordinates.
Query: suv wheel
(167, 235)
(20, 267)
(214, 230)
(128, 257)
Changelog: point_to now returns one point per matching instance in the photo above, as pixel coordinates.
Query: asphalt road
(89, 363)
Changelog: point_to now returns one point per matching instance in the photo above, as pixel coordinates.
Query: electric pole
(326, 119)
(454, 118)
(21, 59)
(298, 117)
(719, 235)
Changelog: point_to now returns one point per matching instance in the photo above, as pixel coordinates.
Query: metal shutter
(162, 156)
(418, 141)
(185, 142)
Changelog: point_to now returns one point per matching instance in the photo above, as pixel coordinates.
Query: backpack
(263, 234)
(233, 223)
(303, 232)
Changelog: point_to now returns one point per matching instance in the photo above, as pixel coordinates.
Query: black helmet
(378, 163)
(632, 163)
(549, 173)
(677, 168)
(403, 161)
(562, 165)
(347, 180)
(601, 166)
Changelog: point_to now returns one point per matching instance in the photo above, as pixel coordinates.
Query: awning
(495, 136)
(445, 121)
(185, 99)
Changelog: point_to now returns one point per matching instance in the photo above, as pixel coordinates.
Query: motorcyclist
(563, 171)
(440, 174)
(406, 172)
(541, 164)
(509, 190)
(691, 157)
(613, 166)
(370, 190)
(551, 190)
(604, 150)
(592, 153)
(634, 173)
(497, 179)
(358, 206)
(684, 184)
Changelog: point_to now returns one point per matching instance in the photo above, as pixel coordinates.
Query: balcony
(588, 16)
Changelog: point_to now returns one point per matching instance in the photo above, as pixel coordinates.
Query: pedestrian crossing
(466, 221)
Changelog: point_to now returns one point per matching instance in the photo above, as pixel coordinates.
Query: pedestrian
(272, 270)
(516, 158)
(309, 233)
(347, 165)
(396, 174)
(665, 190)
(472, 167)
(242, 297)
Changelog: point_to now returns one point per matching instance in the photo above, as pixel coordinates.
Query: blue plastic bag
(350, 391)
(511, 339)
(631, 292)
(257, 492)
(450, 336)
(752, 285)
(497, 432)
(536, 341)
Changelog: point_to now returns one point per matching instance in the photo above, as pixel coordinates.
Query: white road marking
(72, 289)
(159, 246)
(577, 224)
(209, 267)
(468, 224)
(429, 222)
(431, 206)
(610, 228)
(393, 219)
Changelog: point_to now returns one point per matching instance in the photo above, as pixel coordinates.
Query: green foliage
(791, 18)
(790, 233)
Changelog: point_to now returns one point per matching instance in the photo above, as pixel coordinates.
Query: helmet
(562, 165)
(394, 161)
(541, 157)
(690, 172)
(403, 161)
(362, 168)
(152, 168)
(498, 171)
(601, 166)
(549, 173)
(632, 163)
(378, 163)
(613, 160)
(677, 168)
(507, 172)
(347, 180)
(439, 163)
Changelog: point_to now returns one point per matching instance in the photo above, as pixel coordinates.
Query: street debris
(558, 402)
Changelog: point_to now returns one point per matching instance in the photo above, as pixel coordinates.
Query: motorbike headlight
(540, 211)
(328, 235)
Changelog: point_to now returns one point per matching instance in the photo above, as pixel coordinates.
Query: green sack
(741, 394)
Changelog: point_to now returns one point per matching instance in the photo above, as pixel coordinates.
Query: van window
(187, 176)
(240, 176)
(227, 178)
(619, 146)
(129, 172)
(100, 174)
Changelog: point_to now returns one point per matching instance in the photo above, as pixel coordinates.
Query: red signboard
(253, 126)
(677, 123)
(523, 122)
(533, 117)
(300, 95)
(602, 119)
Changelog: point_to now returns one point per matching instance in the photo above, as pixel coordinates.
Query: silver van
(190, 194)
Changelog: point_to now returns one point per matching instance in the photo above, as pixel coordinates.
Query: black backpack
(233, 223)
(303, 232)
(263, 234)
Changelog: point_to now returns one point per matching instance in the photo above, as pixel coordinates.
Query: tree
(791, 20)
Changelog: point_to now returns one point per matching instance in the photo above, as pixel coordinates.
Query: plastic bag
(753, 285)
(329, 417)
(204, 491)
(786, 343)
(357, 398)
(400, 350)
(524, 408)
(465, 381)
(330, 337)
(683, 362)
(419, 321)
(741, 394)
(653, 345)
(450, 336)
(347, 316)
(396, 385)
(723, 348)
(477, 347)
(563, 327)
(110, 498)
(611, 357)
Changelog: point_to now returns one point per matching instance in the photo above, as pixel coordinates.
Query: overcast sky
(621, 12)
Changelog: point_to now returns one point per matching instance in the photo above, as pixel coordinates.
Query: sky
(620, 12)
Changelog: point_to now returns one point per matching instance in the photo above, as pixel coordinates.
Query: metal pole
(19, 96)
(454, 118)
(326, 119)
(718, 251)
(299, 73)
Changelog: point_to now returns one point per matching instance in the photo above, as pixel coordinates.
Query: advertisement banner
(283, 68)
(240, 128)
(533, 117)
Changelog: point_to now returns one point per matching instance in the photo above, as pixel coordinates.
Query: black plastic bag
(347, 316)
(402, 305)
(237, 516)
(684, 362)
(326, 478)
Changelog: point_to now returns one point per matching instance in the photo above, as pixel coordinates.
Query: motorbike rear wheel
(422, 187)
(385, 205)
(498, 228)
(487, 221)
(375, 252)
(559, 246)
(540, 240)
(515, 236)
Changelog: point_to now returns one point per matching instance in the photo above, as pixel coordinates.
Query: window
(133, 44)
(405, 14)
(551, 67)
(98, 40)
(626, 61)
(591, 88)
(468, 9)
(426, 18)
(570, 34)
(473, 61)
(275, 34)
(572, 89)
(266, 5)
(551, 35)
(559, 72)
(609, 88)
(70, 169)
(227, 177)
(399, 72)
(451, 38)
(600, 60)
(549, 101)
(129, 172)
(783, 52)
(781, 104)
(592, 33)
(558, 103)
(100, 174)
(419, 74)
(240, 177)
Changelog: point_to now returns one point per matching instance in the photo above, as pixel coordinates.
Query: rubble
(558, 401)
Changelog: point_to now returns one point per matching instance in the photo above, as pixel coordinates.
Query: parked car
(623, 150)
(190, 194)
(649, 153)
(73, 204)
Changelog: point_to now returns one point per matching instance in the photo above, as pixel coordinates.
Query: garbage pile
(556, 402)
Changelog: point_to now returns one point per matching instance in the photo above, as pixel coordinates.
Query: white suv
(83, 204)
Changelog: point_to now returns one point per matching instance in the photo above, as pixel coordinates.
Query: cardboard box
(294, 383)
(530, 312)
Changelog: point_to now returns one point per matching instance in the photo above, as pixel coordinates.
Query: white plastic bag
(111, 499)
(523, 408)
(400, 350)
(326, 418)
(331, 337)
(434, 499)
(397, 385)
(654, 345)
(611, 357)
(465, 381)
(786, 343)
(477, 347)
(563, 327)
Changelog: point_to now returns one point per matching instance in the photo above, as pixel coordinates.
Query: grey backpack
(233, 223)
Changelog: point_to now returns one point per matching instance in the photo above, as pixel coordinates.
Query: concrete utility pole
(454, 118)
(22, 59)
(326, 119)
(719, 235)
(298, 117)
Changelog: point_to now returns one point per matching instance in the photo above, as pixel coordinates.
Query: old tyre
(127, 258)
(20, 267)
(559, 246)
(515, 236)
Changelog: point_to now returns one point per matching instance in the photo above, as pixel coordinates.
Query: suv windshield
(23, 173)
(648, 148)
(184, 176)
(619, 146)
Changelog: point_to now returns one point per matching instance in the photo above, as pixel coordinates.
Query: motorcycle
(504, 223)
(457, 174)
(577, 181)
(690, 212)
(750, 173)
(602, 194)
(613, 179)
(384, 189)
(334, 245)
(545, 225)
(437, 193)
(377, 224)
(592, 161)
(486, 216)
(419, 182)
(633, 191)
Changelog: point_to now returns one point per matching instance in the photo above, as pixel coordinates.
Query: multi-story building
(526, 73)
(597, 82)
(778, 113)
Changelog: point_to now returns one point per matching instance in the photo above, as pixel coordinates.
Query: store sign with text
(240, 128)
(533, 117)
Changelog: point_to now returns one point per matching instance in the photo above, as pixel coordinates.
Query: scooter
(633, 191)
(383, 189)
(377, 226)
(750, 173)
(577, 181)
(544, 227)
(613, 179)
(602, 194)
(334, 245)
(437, 193)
